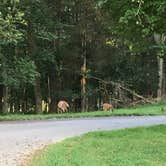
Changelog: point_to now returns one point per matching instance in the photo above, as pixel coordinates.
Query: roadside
(156, 109)
(19, 139)
(127, 147)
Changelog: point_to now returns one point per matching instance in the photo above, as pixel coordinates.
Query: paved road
(18, 139)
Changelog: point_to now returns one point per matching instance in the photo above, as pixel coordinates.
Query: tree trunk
(38, 96)
(33, 51)
(52, 89)
(24, 101)
(159, 39)
(1, 97)
(161, 78)
(49, 94)
(5, 100)
(4, 92)
(83, 87)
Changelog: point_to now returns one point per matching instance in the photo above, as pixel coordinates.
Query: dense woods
(83, 51)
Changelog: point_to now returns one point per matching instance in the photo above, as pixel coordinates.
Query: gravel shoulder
(19, 139)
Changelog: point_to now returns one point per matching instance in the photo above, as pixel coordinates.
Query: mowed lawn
(145, 146)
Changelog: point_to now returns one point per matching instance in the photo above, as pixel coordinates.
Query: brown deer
(107, 107)
(63, 106)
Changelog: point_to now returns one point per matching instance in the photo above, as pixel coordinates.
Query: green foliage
(137, 20)
(49, 39)
(10, 18)
(22, 72)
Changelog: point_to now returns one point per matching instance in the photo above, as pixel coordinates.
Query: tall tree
(9, 35)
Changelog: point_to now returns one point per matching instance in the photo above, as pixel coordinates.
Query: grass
(145, 146)
(155, 109)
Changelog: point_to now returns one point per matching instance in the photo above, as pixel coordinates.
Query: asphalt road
(19, 139)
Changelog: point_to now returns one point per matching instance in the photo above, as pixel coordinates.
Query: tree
(48, 47)
(10, 35)
(143, 20)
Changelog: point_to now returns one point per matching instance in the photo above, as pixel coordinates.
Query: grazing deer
(63, 106)
(107, 107)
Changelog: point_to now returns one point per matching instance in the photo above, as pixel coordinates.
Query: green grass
(155, 109)
(145, 146)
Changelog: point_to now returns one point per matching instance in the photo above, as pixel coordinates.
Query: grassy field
(145, 146)
(156, 109)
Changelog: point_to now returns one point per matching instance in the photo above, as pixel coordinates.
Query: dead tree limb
(122, 87)
(136, 94)
(115, 84)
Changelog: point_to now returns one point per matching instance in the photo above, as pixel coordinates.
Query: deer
(107, 107)
(63, 106)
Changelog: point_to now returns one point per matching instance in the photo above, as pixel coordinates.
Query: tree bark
(1, 97)
(161, 78)
(159, 39)
(49, 94)
(5, 100)
(33, 51)
(24, 100)
(4, 92)
(38, 96)
(53, 100)
(83, 87)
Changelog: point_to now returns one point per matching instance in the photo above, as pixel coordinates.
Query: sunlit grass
(145, 146)
(156, 109)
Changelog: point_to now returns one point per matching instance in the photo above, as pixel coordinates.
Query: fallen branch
(136, 94)
(122, 87)
(117, 100)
